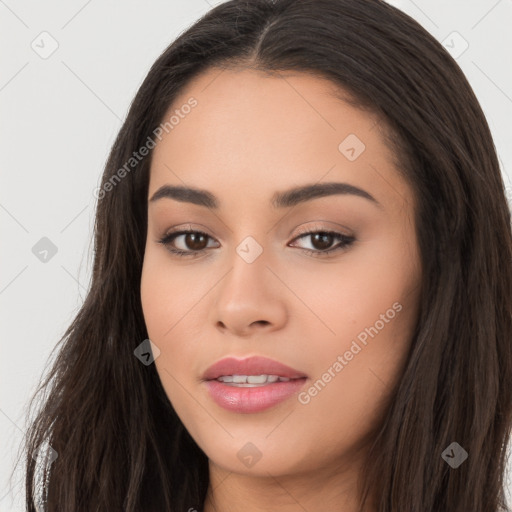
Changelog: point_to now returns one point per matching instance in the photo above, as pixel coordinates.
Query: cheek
(159, 306)
(373, 286)
(161, 309)
(170, 303)
(167, 294)
(368, 307)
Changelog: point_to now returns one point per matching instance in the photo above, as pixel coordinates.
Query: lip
(251, 399)
(255, 365)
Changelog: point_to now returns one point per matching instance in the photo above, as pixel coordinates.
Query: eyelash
(346, 241)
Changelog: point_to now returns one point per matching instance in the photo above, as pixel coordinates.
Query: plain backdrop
(68, 73)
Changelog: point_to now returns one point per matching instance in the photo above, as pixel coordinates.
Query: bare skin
(249, 137)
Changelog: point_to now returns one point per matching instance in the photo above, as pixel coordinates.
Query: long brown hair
(119, 442)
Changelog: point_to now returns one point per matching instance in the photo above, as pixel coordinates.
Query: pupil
(324, 238)
(191, 241)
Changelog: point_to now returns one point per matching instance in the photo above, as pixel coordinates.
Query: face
(325, 282)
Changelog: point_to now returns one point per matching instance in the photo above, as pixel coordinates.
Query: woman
(301, 294)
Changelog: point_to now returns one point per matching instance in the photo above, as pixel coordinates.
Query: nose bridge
(248, 264)
(249, 293)
(250, 250)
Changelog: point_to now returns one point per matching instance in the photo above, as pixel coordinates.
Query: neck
(327, 489)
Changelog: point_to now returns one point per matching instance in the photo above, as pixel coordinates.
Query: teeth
(256, 379)
(252, 379)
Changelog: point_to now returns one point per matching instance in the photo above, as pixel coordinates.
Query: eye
(322, 242)
(195, 240)
(194, 243)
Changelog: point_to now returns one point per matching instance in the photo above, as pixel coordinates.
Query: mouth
(252, 381)
(251, 385)
(252, 370)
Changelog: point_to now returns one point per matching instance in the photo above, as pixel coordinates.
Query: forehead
(249, 131)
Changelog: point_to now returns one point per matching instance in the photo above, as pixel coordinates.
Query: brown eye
(193, 243)
(322, 241)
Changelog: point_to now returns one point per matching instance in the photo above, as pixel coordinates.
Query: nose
(250, 299)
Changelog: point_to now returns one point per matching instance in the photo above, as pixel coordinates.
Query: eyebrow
(285, 199)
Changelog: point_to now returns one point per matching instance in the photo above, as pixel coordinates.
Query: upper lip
(255, 365)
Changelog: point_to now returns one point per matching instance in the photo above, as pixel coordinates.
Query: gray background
(60, 113)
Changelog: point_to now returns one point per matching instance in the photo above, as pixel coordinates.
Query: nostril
(263, 322)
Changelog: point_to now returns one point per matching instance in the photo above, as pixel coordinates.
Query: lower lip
(252, 399)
